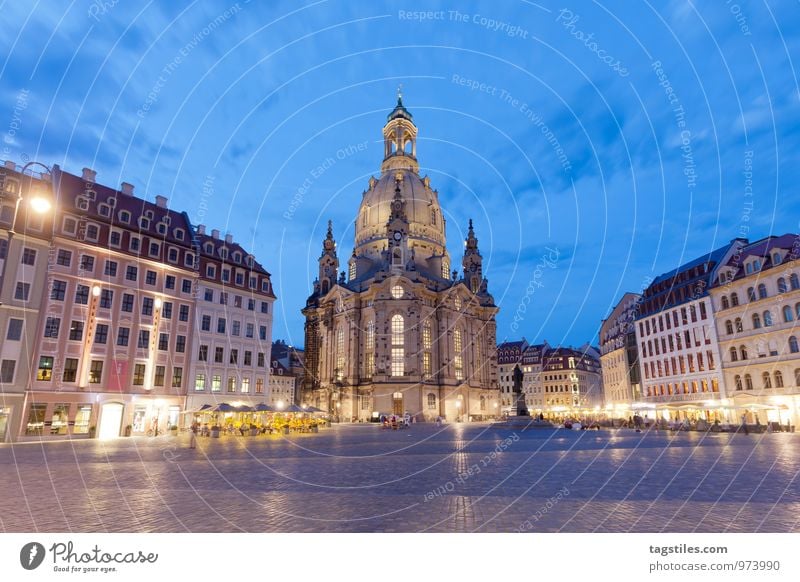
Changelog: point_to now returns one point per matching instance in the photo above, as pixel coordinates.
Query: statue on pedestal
(522, 408)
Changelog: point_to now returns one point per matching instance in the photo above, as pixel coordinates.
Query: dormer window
(161, 228)
(149, 214)
(144, 223)
(112, 201)
(81, 203)
(91, 195)
(223, 252)
(179, 233)
(166, 219)
(125, 216)
(776, 258)
(757, 265)
(104, 210)
(237, 257)
(209, 248)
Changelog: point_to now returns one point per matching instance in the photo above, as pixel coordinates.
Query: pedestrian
(193, 436)
(744, 424)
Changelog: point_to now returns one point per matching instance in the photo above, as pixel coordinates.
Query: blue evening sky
(552, 125)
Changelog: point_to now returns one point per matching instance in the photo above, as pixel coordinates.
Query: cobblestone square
(359, 478)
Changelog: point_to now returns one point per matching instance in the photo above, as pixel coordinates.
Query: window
(92, 232)
(787, 313)
(127, 303)
(22, 291)
(431, 401)
(183, 313)
(28, 256)
(226, 275)
(155, 249)
(738, 324)
(150, 278)
(725, 303)
(756, 321)
(259, 385)
(734, 299)
(200, 382)
(70, 225)
(123, 336)
(70, 370)
(261, 359)
(166, 310)
(158, 377)
(793, 346)
(115, 239)
(208, 295)
(186, 285)
(762, 291)
(397, 292)
(766, 379)
(458, 361)
(7, 371)
(177, 377)
(734, 355)
(248, 358)
(125, 216)
(767, 318)
(264, 307)
(101, 334)
(794, 281)
(87, 263)
(45, 371)
(14, 332)
(147, 306)
(729, 327)
(743, 352)
(169, 282)
(245, 385)
(250, 330)
(138, 374)
(63, 258)
(131, 273)
(219, 355)
(216, 383)
(738, 380)
(202, 354)
(58, 291)
(235, 327)
(106, 298)
(144, 339)
(76, 331)
(231, 384)
(237, 301)
(782, 288)
(221, 325)
(35, 424)
(239, 279)
(135, 244)
(211, 271)
(110, 268)
(778, 379)
(180, 344)
(251, 304)
(223, 298)
(163, 342)
(51, 327)
(172, 255)
(398, 346)
(339, 371)
(234, 356)
(205, 324)
(262, 332)
(751, 294)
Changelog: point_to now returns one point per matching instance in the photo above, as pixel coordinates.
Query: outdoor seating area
(228, 420)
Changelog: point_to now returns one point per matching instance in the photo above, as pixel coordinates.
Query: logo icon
(31, 555)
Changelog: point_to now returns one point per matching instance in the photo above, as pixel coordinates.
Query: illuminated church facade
(399, 332)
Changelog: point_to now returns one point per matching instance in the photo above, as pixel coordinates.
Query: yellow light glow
(158, 302)
(279, 404)
(96, 291)
(40, 205)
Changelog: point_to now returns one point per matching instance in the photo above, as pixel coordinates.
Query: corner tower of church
(399, 332)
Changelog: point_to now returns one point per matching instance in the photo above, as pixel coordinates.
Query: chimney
(229, 238)
(215, 234)
(161, 201)
(89, 175)
(10, 165)
(127, 189)
(201, 229)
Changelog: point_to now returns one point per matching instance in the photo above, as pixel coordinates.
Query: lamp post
(38, 204)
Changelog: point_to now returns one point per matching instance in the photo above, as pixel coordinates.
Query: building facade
(619, 357)
(232, 326)
(571, 382)
(399, 332)
(756, 297)
(282, 385)
(111, 349)
(678, 344)
(24, 259)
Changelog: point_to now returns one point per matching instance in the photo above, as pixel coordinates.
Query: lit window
(397, 292)
(398, 346)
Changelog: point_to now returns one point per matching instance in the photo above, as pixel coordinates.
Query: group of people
(395, 422)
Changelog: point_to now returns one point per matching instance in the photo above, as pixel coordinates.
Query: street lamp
(38, 204)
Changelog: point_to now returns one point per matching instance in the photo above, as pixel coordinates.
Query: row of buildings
(117, 314)
(715, 339)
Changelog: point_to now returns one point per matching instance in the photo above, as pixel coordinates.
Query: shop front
(11, 406)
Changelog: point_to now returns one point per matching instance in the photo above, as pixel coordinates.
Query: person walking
(193, 436)
(744, 424)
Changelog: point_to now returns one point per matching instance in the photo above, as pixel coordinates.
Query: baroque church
(399, 332)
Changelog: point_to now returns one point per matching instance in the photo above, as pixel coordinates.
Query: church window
(340, 354)
(352, 270)
(445, 269)
(398, 345)
(369, 352)
(459, 358)
(457, 302)
(431, 401)
(397, 292)
(433, 216)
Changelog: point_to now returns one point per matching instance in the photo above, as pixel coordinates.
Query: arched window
(397, 256)
(748, 382)
(797, 376)
(339, 354)
(767, 318)
(794, 281)
(734, 299)
(738, 324)
(782, 285)
(787, 313)
(738, 380)
(797, 310)
(734, 355)
(725, 303)
(756, 321)
(431, 401)
(369, 350)
(751, 294)
(776, 258)
(427, 343)
(743, 352)
(433, 216)
(729, 327)
(458, 360)
(762, 291)
(778, 379)
(398, 346)
(766, 379)
(793, 348)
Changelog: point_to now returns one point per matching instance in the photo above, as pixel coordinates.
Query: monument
(522, 420)
(520, 405)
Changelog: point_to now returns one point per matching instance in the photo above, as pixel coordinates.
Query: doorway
(397, 403)
(110, 420)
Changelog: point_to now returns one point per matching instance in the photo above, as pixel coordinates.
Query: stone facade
(400, 332)
(619, 357)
